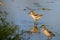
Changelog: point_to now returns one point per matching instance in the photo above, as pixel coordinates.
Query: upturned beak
(28, 13)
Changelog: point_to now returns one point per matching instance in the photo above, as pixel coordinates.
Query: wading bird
(35, 16)
(47, 32)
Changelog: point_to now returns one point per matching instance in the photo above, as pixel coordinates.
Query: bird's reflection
(34, 30)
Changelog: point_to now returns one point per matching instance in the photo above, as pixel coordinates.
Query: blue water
(51, 18)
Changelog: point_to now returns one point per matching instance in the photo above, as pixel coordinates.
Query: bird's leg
(35, 23)
(49, 38)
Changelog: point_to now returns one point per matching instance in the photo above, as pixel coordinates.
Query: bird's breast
(46, 32)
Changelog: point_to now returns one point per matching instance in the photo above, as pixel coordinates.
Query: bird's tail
(53, 34)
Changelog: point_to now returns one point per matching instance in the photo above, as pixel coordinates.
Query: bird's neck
(43, 28)
(31, 13)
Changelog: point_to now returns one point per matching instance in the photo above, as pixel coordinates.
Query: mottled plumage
(47, 32)
(35, 16)
(51, 32)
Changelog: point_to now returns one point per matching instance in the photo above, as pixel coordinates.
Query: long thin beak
(28, 13)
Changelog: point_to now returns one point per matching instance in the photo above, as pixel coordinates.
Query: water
(51, 18)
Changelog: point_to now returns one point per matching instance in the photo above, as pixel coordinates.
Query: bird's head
(31, 12)
(43, 27)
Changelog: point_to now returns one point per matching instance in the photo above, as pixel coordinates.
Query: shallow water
(51, 18)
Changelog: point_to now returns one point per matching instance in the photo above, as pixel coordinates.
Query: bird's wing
(36, 14)
(51, 32)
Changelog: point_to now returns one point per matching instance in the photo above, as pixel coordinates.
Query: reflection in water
(35, 30)
(51, 17)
